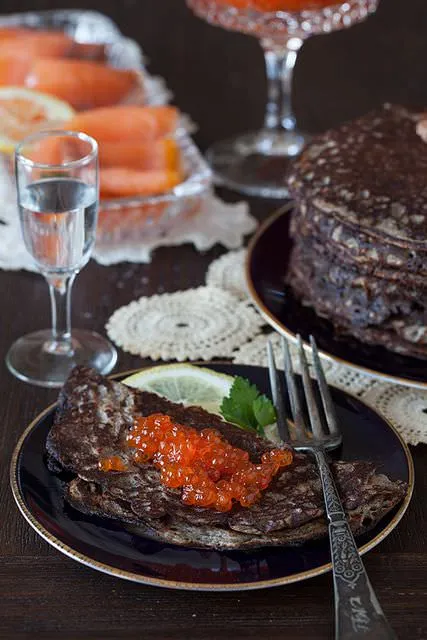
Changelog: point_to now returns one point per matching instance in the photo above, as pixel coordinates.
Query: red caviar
(211, 472)
(279, 5)
(114, 463)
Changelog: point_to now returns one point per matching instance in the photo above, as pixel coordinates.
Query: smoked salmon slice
(159, 154)
(9, 33)
(116, 182)
(58, 150)
(82, 84)
(126, 123)
(13, 70)
(33, 43)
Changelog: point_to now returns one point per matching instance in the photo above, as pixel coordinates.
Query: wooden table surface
(218, 78)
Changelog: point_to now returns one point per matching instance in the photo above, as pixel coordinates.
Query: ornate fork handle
(358, 613)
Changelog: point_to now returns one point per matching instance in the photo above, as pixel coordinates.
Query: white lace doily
(255, 352)
(405, 408)
(227, 272)
(196, 324)
(13, 254)
(217, 222)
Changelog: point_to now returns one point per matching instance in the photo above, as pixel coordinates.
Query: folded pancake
(92, 421)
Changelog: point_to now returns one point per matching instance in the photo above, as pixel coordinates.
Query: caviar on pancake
(211, 472)
(113, 463)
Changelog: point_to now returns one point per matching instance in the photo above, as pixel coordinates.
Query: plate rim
(191, 586)
(283, 330)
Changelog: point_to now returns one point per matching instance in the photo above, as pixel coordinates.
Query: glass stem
(60, 299)
(279, 63)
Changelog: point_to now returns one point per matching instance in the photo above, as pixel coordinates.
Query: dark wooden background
(218, 78)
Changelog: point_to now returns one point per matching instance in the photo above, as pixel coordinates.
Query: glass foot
(256, 163)
(29, 358)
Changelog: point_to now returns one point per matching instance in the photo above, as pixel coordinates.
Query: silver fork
(358, 613)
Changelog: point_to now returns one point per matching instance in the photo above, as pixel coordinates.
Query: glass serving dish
(134, 218)
(256, 162)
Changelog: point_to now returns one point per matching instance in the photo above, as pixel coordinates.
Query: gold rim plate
(276, 324)
(174, 584)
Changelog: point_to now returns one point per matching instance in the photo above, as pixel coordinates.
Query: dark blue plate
(266, 266)
(119, 550)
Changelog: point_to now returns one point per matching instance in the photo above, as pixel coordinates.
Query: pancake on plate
(93, 421)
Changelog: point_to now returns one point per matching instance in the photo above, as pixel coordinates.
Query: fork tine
(294, 398)
(313, 412)
(276, 392)
(328, 405)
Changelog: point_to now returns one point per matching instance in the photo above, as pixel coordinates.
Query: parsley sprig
(247, 407)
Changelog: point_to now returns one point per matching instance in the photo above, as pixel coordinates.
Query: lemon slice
(184, 383)
(24, 111)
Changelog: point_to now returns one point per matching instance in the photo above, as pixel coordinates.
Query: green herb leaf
(264, 411)
(237, 407)
(260, 431)
(247, 407)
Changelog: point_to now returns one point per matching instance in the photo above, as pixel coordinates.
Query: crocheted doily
(13, 254)
(216, 222)
(255, 352)
(227, 272)
(405, 408)
(196, 324)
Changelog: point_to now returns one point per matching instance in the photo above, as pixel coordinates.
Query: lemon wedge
(184, 383)
(24, 111)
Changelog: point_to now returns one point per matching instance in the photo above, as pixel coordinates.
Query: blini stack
(359, 230)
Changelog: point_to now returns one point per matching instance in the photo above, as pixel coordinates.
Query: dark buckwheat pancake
(93, 418)
(369, 174)
(358, 248)
(362, 299)
(359, 229)
(315, 248)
